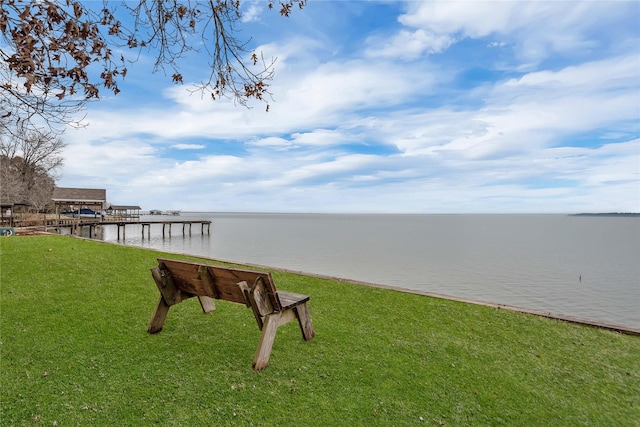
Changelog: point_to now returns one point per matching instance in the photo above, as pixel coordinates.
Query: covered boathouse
(77, 199)
(124, 212)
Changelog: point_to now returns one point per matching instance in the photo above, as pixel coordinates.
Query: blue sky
(389, 107)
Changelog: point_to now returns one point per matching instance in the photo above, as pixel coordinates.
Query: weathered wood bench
(180, 280)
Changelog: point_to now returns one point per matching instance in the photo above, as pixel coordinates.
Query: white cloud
(409, 44)
(525, 114)
(252, 13)
(272, 141)
(323, 138)
(370, 133)
(326, 95)
(535, 27)
(472, 19)
(612, 73)
(188, 146)
(315, 138)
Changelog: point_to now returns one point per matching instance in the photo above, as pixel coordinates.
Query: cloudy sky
(399, 107)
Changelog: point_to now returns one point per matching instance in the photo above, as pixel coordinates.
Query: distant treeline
(625, 214)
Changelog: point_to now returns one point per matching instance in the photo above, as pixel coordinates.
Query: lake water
(586, 267)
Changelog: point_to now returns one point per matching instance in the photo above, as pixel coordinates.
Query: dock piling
(75, 225)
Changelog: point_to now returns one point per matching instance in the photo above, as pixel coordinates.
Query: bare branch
(57, 56)
(29, 166)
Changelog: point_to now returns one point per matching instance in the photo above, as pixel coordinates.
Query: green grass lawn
(75, 352)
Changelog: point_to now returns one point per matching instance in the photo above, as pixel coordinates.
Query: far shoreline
(614, 214)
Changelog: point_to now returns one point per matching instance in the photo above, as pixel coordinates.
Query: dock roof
(124, 208)
(79, 195)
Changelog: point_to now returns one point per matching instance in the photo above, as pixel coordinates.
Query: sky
(388, 107)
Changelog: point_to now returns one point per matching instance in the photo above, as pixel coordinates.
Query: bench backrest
(216, 281)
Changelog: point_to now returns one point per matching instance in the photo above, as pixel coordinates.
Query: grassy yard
(75, 352)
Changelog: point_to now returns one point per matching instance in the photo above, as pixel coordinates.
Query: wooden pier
(166, 227)
(73, 224)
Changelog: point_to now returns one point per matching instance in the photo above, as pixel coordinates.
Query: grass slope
(75, 351)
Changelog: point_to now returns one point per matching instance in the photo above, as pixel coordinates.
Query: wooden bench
(180, 280)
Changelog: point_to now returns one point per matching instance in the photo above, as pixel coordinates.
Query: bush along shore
(75, 351)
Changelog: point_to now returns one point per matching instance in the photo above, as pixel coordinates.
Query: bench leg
(304, 319)
(268, 336)
(207, 304)
(159, 316)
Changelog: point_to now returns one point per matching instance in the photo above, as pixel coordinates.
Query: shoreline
(623, 329)
(627, 330)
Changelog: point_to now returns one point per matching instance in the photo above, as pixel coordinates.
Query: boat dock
(74, 224)
(166, 227)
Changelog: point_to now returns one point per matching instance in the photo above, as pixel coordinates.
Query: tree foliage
(58, 55)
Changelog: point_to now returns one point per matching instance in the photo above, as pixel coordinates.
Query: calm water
(587, 267)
